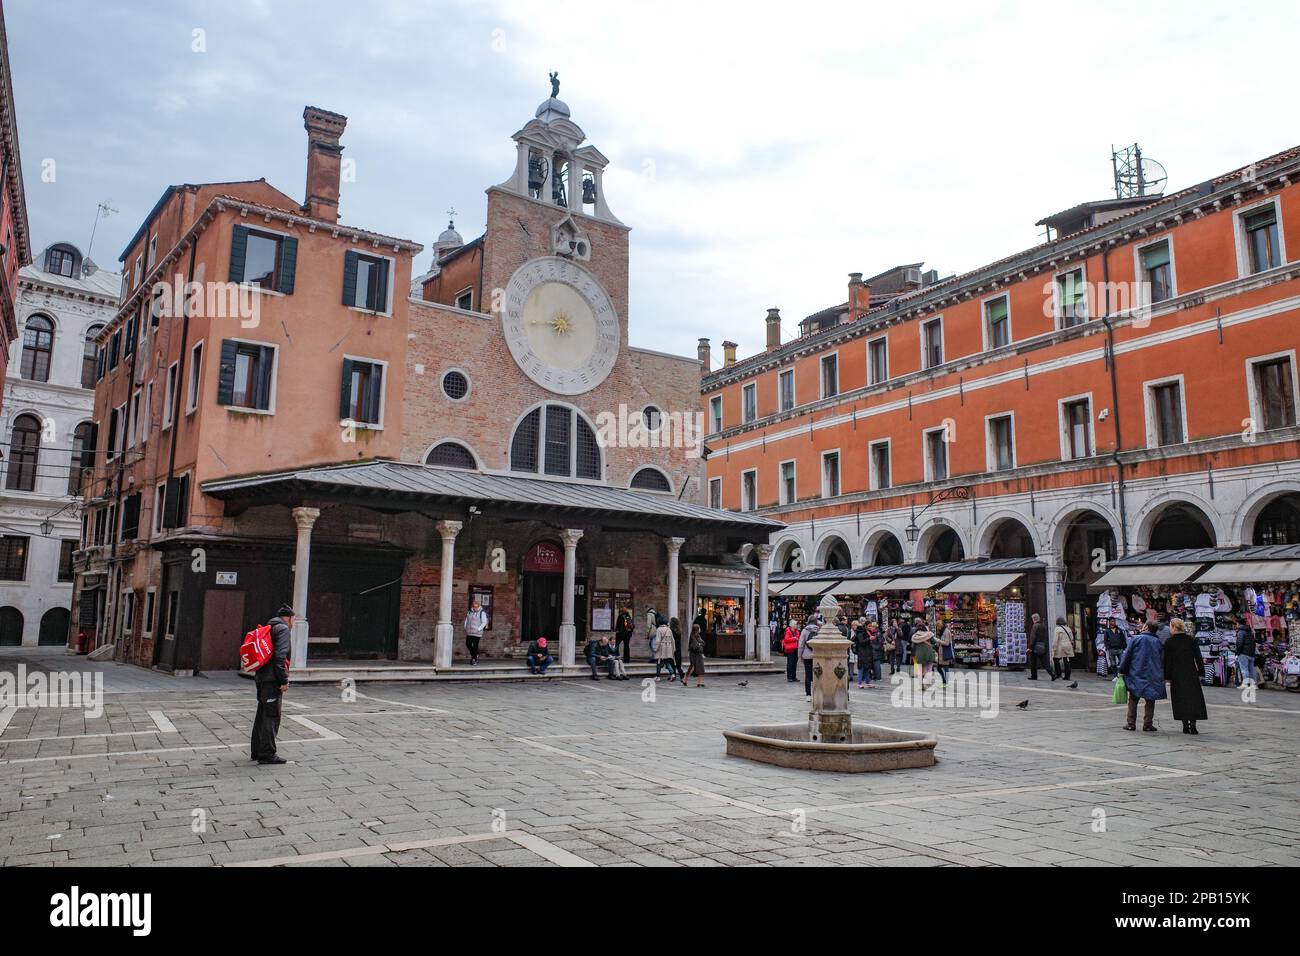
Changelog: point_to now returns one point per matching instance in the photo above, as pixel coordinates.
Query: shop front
(1215, 591)
(722, 600)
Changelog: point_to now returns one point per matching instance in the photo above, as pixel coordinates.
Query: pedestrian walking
(696, 650)
(862, 645)
(1040, 649)
(877, 649)
(790, 648)
(946, 656)
(1143, 670)
(1246, 673)
(1115, 640)
(805, 652)
(904, 643)
(923, 652)
(891, 647)
(1185, 670)
(665, 650)
(272, 682)
(1062, 648)
(623, 628)
(678, 644)
(475, 624)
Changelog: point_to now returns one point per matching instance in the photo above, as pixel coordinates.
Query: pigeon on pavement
(1023, 705)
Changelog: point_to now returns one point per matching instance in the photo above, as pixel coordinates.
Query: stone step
(332, 672)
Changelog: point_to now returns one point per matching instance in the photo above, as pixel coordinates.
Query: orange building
(253, 331)
(1130, 384)
(15, 241)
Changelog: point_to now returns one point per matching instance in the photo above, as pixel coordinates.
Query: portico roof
(393, 484)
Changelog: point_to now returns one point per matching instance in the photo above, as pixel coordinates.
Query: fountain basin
(873, 748)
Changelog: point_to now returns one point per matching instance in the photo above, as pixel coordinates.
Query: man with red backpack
(272, 681)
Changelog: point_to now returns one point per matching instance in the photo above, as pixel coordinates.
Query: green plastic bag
(1120, 696)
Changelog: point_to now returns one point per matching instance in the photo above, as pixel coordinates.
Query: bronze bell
(589, 190)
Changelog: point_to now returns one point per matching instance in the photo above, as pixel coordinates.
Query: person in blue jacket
(1143, 667)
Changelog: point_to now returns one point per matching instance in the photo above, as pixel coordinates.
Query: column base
(568, 644)
(298, 643)
(444, 637)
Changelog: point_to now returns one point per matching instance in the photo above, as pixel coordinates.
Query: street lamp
(47, 528)
(913, 531)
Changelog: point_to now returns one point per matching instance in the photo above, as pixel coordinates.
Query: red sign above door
(544, 558)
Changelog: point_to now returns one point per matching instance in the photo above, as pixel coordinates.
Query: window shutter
(381, 296)
(238, 252)
(171, 503)
(1153, 257)
(350, 278)
(288, 265)
(226, 373)
(376, 392)
(345, 395)
(265, 369)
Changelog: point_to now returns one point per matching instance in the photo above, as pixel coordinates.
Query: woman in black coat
(1184, 670)
(864, 647)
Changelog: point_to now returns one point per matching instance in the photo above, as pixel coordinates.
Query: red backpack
(256, 649)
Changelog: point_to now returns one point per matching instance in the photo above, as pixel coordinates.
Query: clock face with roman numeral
(560, 325)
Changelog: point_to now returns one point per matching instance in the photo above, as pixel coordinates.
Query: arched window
(83, 456)
(651, 479)
(61, 260)
(88, 357)
(38, 344)
(558, 440)
(451, 454)
(54, 628)
(24, 451)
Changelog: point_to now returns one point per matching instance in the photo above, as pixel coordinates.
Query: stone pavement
(573, 773)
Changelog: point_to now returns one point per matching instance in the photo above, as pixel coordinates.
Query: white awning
(916, 584)
(806, 588)
(776, 587)
(980, 583)
(1146, 574)
(1226, 572)
(861, 586)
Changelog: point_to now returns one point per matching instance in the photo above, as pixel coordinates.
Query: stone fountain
(830, 740)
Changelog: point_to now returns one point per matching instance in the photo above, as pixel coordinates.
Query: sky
(759, 151)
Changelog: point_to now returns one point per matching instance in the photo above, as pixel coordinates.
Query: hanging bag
(1120, 695)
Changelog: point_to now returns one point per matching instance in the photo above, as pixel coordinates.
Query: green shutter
(350, 278)
(1153, 257)
(288, 265)
(998, 310)
(226, 373)
(238, 252)
(381, 297)
(345, 395)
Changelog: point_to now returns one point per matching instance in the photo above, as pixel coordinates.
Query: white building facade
(47, 437)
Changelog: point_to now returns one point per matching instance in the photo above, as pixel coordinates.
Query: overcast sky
(760, 152)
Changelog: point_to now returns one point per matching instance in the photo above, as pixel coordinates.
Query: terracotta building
(15, 242)
(1129, 384)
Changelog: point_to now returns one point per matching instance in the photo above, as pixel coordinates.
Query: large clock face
(560, 325)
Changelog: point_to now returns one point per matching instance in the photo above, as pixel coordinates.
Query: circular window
(652, 417)
(455, 385)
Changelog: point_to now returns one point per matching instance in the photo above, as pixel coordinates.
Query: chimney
(324, 162)
(859, 296)
(702, 350)
(728, 354)
(773, 329)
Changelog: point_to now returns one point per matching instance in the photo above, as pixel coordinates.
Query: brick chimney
(703, 351)
(773, 329)
(859, 296)
(728, 354)
(324, 162)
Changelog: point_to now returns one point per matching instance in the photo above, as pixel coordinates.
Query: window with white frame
(1156, 271)
(361, 400)
(997, 322)
(1076, 428)
(159, 506)
(1166, 423)
(880, 470)
(936, 454)
(749, 490)
(830, 474)
(788, 489)
(715, 493)
(785, 389)
(830, 367)
(1000, 432)
(170, 394)
(1259, 238)
(878, 360)
(1071, 298)
(715, 413)
(749, 402)
(932, 343)
(196, 372)
(1272, 383)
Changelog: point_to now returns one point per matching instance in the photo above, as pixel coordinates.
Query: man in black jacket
(272, 681)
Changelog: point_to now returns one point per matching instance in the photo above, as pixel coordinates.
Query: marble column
(444, 634)
(305, 518)
(568, 629)
(764, 552)
(674, 572)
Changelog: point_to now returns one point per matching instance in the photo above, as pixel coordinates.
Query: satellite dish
(1135, 174)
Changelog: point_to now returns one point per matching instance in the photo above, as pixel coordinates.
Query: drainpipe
(1114, 405)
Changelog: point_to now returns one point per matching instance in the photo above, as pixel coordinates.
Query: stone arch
(834, 552)
(785, 551)
(884, 536)
(1158, 508)
(996, 524)
(932, 533)
(1244, 521)
(11, 626)
(1063, 522)
(473, 453)
(54, 627)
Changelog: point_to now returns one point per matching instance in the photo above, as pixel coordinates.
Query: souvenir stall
(1215, 590)
(985, 612)
(720, 602)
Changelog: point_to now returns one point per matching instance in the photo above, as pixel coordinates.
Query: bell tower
(552, 165)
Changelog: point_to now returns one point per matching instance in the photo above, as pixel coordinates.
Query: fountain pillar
(830, 720)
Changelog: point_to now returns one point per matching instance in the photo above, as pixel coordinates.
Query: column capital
(449, 529)
(569, 538)
(305, 517)
(764, 551)
(674, 544)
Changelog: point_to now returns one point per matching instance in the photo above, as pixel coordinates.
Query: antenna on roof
(102, 211)
(1136, 175)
